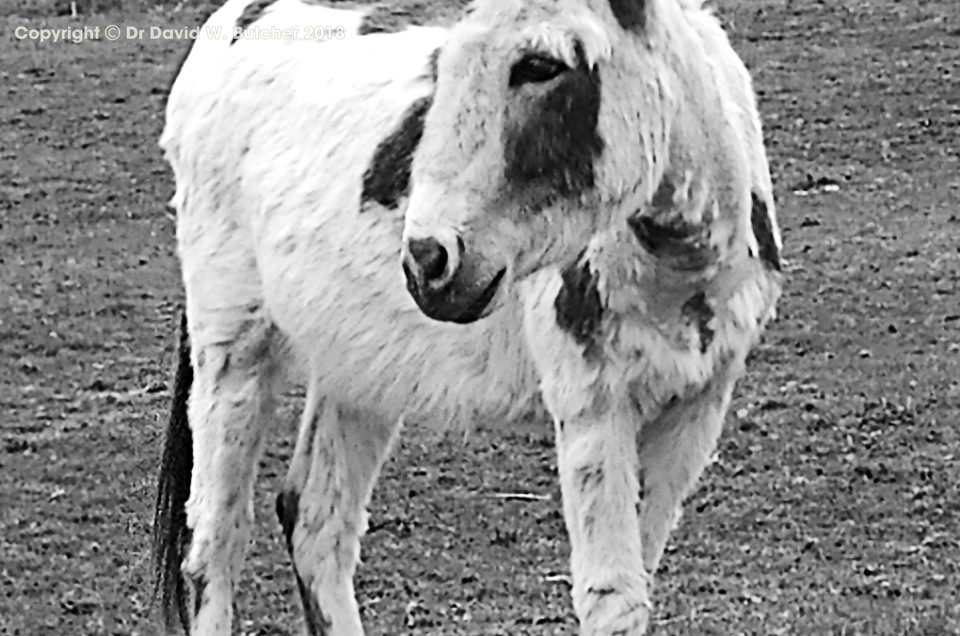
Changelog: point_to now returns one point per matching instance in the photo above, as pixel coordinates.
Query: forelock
(558, 31)
(569, 37)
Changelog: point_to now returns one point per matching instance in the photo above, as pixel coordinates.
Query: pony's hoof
(615, 614)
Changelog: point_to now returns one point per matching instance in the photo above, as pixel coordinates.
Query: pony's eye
(533, 69)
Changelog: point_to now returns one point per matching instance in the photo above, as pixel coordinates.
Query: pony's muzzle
(445, 285)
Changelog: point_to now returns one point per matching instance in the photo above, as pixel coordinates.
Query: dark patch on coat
(288, 510)
(171, 535)
(552, 149)
(288, 507)
(432, 64)
(589, 477)
(251, 13)
(224, 369)
(667, 236)
(387, 178)
(698, 311)
(662, 201)
(763, 231)
(680, 244)
(578, 305)
(199, 589)
(630, 14)
(641, 491)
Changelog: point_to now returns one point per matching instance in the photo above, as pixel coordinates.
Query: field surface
(834, 507)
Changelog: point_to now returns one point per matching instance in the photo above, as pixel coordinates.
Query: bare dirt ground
(834, 507)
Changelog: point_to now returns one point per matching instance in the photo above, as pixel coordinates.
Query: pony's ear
(630, 14)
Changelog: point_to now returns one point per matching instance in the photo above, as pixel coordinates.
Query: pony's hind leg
(229, 410)
(322, 509)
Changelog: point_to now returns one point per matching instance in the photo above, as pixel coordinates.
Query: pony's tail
(171, 536)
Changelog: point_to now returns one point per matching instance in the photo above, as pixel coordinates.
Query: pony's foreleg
(228, 412)
(674, 450)
(596, 429)
(322, 509)
(597, 462)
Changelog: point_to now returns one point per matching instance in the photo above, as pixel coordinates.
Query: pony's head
(554, 120)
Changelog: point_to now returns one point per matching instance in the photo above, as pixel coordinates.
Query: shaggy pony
(565, 198)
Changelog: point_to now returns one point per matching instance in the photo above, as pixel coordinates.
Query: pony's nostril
(430, 256)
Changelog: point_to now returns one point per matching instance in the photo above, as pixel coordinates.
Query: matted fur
(291, 275)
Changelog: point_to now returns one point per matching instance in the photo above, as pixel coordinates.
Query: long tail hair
(171, 537)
